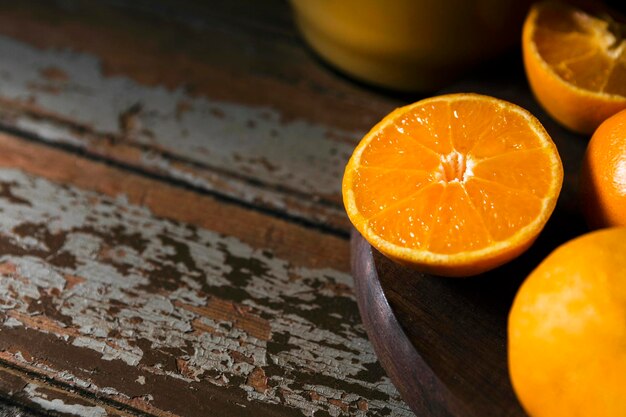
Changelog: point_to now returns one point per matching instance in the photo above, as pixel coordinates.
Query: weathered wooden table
(172, 239)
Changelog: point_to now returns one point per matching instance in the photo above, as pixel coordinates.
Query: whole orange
(603, 175)
(567, 330)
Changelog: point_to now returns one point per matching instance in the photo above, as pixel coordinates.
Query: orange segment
(468, 113)
(430, 126)
(379, 196)
(458, 226)
(506, 132)
(575, 64)
(453, 185)
(392, 149)
(503, 210)
(558, 48)
(527, 170)
(616, 83)
(409, 223)
(580, 48)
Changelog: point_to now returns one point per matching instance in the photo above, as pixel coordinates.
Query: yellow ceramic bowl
(409, 44)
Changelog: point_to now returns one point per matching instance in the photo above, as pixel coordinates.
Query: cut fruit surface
(453, 185)
(576, 64)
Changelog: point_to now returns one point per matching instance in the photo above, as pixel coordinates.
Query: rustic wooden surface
(226, 103)
(172, 241)
(443, 341)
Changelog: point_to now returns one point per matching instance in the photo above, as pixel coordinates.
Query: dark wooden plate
(443, 340)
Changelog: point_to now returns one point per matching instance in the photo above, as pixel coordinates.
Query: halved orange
(576, 64)
(453, 185)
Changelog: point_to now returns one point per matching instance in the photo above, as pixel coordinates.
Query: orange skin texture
(466, 268)
(567, 330)
(578, 110)
(603, 176)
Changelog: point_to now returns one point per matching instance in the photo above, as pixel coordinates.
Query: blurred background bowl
(409, 45)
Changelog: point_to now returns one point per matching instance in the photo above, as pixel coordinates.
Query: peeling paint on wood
(214, 53)
(167, 303)
(59, 406)
(300, 245)
(38, 396)
(156, 299)
(248, 153)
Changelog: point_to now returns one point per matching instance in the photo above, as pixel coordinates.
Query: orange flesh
(581, 49)
(453, 176)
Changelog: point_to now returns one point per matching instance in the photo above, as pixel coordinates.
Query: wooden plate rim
(419, 386)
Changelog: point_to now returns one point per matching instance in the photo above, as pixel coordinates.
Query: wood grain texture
(172, 240)
(41, 398)
(238, 109)
(132, 283)
(442, 342)
(160, 300)
(415, 379)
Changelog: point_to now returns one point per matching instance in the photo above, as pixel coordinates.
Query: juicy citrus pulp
(453, 185)
(576, 64)
(567, 330)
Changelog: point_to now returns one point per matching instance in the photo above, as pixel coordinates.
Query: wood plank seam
(298, 206)
(331, 358)
(250, 140)
(291, 342)
(37, 377)
(82, 152)
(113, 138)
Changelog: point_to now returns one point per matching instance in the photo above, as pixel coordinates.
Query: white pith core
(456, 167)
